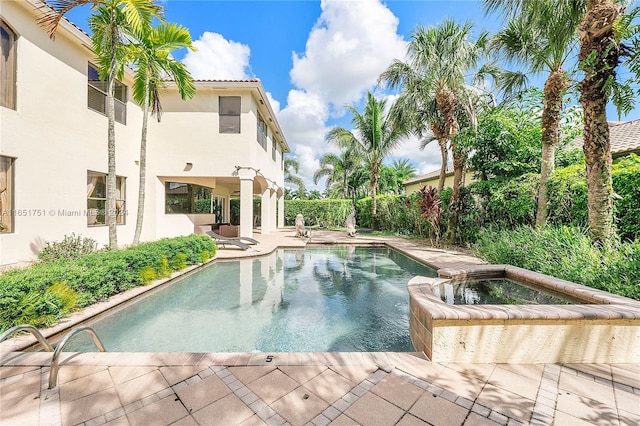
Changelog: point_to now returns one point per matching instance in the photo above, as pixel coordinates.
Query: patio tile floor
(313, 394)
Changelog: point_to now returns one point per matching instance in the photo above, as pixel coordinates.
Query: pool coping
(600, 304)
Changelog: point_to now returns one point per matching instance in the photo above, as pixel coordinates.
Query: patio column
(246, 202)
(281, 211)
(265, 210)
(273, 201)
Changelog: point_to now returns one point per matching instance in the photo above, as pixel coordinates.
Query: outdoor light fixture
(188, 167)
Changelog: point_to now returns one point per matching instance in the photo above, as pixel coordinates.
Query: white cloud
(425, 161)
(217, 58)
(350, 45)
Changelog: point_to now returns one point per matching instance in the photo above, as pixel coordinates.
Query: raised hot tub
(592, 327)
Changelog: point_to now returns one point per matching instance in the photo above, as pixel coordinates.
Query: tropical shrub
(46, 291)
(511, 203)
(71, 247)
(567, 253)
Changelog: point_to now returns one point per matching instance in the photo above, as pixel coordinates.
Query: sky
(313, 58)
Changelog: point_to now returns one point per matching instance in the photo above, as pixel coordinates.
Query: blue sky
(313, 57)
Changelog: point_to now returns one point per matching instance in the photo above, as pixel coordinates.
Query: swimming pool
(321, 299)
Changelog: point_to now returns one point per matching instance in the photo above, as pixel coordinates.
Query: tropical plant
(417, 109)
(602, 29)
(113, 23)
(151, 55)
(336, 168)
(430, 208)
(601, 49)
(442, 57)
(374, 137)
(402, 170)
(542, 39)
(291, 168)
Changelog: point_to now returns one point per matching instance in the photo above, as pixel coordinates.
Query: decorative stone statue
(350, 223)
(301, 231)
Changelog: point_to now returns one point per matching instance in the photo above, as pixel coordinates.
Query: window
(6, 195)
(97, 95)
(7, 66)
(186, 198)
(273, 150)
(229, 114)
(97, 199)
(262, 132)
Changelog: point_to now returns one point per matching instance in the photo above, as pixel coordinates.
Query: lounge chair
(224, 242)
(244, 240)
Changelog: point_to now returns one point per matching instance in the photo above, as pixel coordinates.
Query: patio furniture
(245, 240)
(224, 242)
(228, 231)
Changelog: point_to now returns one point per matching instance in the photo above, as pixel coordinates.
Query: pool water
(499, 292)
(321, 299)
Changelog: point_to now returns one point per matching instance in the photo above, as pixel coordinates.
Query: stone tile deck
(323, 389)
(309, 388)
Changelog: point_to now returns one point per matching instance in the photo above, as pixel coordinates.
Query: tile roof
(624, 137)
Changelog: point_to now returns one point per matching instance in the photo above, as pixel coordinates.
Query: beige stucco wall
(448, 182)
(529, 342)
(55, 139)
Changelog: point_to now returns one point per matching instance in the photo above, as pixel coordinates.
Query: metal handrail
(55, 365)
(43, 341)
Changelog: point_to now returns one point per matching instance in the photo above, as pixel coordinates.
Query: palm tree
(374, 136)
(600, 51)
(291, 166)
(443, 56)
(543, 39)
(403, 170)
(152, 57)
(602, 25)
(417, 109)
(112, 24)
(337, 168)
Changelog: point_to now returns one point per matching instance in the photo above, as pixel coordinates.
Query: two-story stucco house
(224, 143)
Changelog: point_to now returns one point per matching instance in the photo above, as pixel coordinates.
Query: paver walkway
(311, 388)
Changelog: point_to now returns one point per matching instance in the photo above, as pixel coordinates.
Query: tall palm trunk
(597, 38)
(554, 90)
(373, 184)
(446, 101)
(111, 145)
(345, 188)
(441, 136)
(143, 164)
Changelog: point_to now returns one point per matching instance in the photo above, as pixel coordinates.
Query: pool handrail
(36, 333)
(55, 363)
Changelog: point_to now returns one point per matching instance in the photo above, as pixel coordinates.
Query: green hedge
(511, 203)
(321, 213)
(45, 292)
(393, 213)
